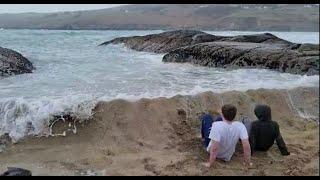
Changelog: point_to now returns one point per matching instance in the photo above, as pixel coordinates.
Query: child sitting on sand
(225, 134)
(264, 131)
(214, 116)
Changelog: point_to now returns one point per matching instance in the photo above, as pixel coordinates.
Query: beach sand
(162, 137)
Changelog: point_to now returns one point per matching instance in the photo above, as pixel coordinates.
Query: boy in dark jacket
(264, 132)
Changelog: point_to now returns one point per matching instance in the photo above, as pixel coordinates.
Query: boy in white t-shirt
(225, 135)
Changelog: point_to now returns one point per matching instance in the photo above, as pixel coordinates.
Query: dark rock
(234, 55)
(309, 47)
(5, 140)
(181, 112)
(171, 40)
(259, 38)
(13, 171)
(12, 63)
(164, 42)
(243, 51)
(294, 46)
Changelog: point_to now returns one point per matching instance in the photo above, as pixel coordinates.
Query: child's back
(264, 131)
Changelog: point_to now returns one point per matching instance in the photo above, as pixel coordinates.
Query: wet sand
(150, 137)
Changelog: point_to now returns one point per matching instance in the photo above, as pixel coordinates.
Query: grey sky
(20, 8)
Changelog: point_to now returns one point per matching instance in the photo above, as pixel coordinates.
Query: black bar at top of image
(160, 2)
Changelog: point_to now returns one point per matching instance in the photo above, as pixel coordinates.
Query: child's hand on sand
(286, 153)
(291, 154)
(247, 166)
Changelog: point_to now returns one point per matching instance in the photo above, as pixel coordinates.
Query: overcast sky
(20, 8)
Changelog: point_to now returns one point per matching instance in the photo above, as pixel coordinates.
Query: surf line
(301, 114)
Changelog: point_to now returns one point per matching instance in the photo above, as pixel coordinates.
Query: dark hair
(229, 112)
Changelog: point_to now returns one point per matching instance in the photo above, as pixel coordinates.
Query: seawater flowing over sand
(72, 74)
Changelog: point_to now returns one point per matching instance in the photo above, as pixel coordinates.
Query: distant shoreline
(102, 29)
(209, 17)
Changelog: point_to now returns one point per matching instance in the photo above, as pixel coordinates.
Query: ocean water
(73, 73)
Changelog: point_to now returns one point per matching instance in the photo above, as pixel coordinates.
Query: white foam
(20, 117)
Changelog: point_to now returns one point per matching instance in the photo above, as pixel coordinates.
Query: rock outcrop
(244, 51)
(12, 63)
(235, 55)
(14, 171)
(170, 40)
(164, 42)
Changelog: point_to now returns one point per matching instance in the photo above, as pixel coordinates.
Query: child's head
(263, 112)
(229, 112)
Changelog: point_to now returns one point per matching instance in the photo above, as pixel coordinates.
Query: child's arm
(213, 153)
(246, 151)
(280, 142)
(252, 138)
